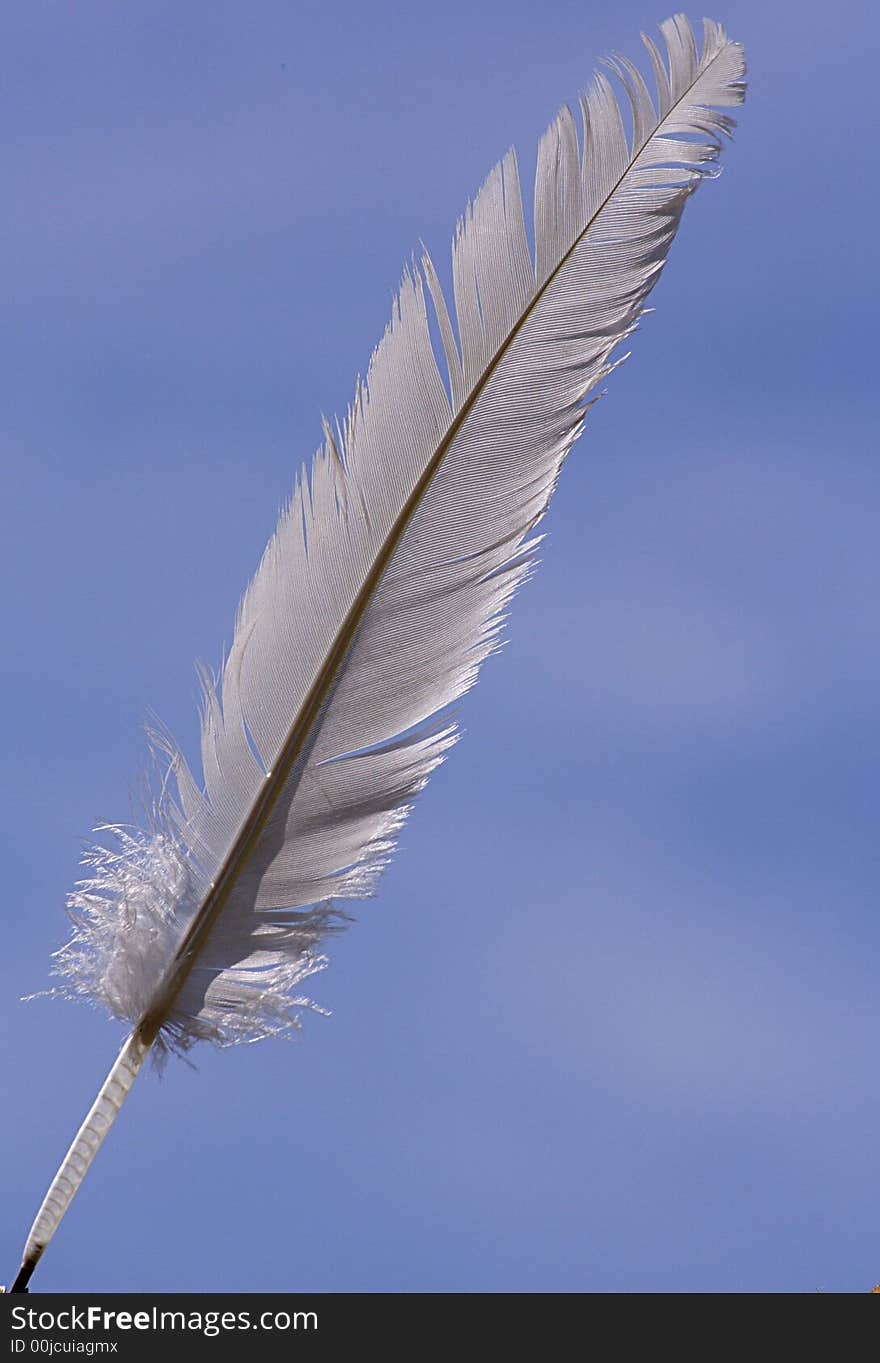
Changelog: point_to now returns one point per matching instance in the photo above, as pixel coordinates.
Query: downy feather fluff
(385, 586)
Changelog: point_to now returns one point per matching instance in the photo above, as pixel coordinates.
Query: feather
(385, 586)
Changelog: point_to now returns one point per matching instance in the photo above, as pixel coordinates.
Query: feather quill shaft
(386, 586)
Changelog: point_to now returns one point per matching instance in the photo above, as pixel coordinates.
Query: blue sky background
(612, 1022)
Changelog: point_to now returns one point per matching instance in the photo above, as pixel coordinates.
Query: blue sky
(611, 1023)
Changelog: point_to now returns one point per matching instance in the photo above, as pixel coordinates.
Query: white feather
(386, 584)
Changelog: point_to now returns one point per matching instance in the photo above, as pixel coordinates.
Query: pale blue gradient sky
(612, 1022)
